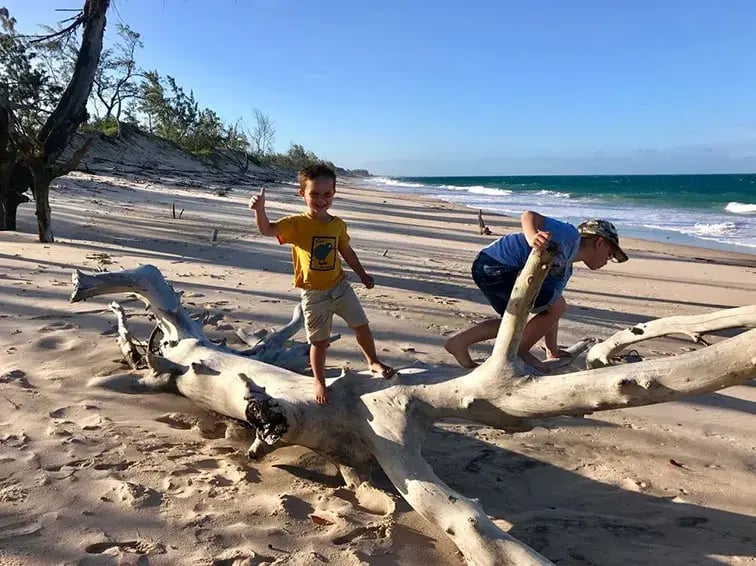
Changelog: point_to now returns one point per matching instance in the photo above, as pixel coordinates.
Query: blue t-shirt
(513, 250)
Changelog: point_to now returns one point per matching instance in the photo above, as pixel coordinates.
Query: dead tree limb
(131, 352)
(693, 326)
(482, 228)
(387, 420)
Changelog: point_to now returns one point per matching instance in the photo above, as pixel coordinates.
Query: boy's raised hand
(257, 202)
(541, 240)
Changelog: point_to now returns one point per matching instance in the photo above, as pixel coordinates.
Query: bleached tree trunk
(387, 420)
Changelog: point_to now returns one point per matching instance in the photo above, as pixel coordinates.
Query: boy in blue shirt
(495, 270)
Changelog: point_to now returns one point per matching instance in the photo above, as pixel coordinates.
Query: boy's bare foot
(557, 354)
(382, 370)
(321, 396)
(460, 353)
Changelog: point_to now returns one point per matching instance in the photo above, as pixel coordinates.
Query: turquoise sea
(714, 211)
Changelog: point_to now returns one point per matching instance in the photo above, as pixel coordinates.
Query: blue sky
(410, 87)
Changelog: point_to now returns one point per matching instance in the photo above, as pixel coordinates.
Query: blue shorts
(497, 281)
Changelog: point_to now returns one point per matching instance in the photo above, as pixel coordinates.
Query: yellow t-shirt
(315, 249)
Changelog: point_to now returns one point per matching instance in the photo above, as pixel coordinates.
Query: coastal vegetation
(66, 80)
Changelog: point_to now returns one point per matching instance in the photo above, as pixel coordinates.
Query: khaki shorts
(320, 306)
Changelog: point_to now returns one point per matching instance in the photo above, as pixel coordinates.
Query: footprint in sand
(19, 529)
(176, 420)
(136, 496)
(131, 546)
(295, 507)
(16, 377)
(115, 466)
(14, 440)
(209, 428)
(84, 416)
(54, 342)
(374, 500)
(55, 326)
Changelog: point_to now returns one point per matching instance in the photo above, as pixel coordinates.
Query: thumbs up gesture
(257, 202)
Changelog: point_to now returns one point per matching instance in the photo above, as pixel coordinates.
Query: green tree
(206, 133)
(38, 117)
(25, 82)
(168, 110)
(115, 82)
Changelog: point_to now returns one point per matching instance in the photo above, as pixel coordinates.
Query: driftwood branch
(131, 351)
(693, 326)
(482, 228)
(387, 420)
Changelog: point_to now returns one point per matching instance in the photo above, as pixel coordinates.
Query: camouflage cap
(605, 229)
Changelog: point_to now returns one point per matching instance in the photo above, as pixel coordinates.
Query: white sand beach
(102, 475)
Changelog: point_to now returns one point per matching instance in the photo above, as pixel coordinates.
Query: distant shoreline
(686, 212)
(691, 247)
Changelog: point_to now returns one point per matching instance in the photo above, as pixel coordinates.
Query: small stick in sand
(483, 229)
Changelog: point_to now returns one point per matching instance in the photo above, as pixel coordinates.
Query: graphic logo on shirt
(323, 253)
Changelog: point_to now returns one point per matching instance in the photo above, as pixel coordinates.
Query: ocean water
(713, 211)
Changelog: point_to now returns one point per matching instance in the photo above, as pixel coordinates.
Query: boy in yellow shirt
(317, 238)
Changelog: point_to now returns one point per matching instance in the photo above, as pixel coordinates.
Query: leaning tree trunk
(41, 177)
(9, 197)
(386, 420)
(55, 135)
(71, 110)
(10, 200)
(14, 176)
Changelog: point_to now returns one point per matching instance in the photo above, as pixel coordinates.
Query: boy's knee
(560, 305)
(557, 308)
(319, 344)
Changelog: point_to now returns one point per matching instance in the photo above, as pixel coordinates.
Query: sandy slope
(101, 475)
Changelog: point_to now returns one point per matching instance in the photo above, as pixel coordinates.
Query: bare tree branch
(693, 326)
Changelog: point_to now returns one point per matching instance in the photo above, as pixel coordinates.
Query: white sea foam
(717, 229)
(458, 188)
(730, 233)
(555, 194)
(489, 191)
(741, 208)
(398, 184)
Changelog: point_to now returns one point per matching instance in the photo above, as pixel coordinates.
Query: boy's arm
(264, 225)
(532, 227)
(353, 261)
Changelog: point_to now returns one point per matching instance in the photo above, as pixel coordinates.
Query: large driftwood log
(386, 420)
